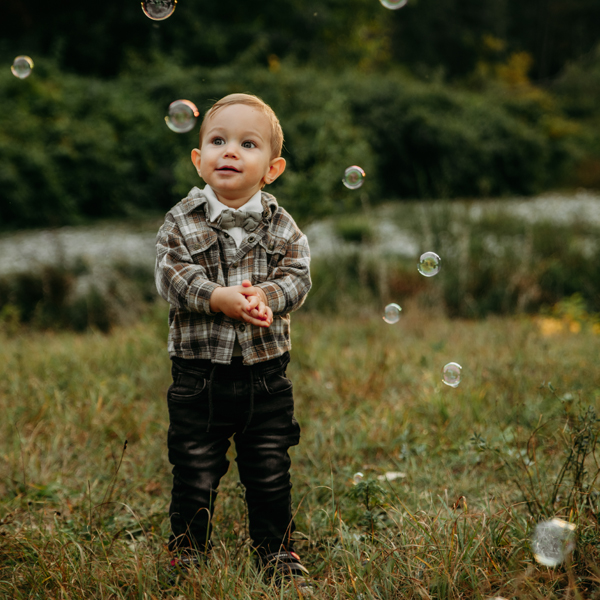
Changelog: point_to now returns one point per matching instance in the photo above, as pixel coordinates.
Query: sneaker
(282, 566)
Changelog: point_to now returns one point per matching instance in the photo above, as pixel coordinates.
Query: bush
(75, 148)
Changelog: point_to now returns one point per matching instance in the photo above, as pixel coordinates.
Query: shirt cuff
(275, 296)
(198, 297)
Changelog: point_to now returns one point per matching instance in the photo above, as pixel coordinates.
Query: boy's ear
(276, 168)
(196, 159)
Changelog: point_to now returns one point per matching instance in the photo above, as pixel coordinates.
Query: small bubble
(182, 116)
(451, 374)
(358, 477)
(393, 4)
(391, 313)
(429, 264)
(354, 177)
(159, 10)
(553, 541)
(22, 67)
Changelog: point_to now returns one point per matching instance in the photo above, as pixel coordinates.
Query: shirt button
(251, 239)
(235, 265)
(226, 235)
(242, 328)
(271, 246)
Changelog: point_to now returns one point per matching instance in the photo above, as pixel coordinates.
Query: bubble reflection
(393, 4)
(451, 374)
(182, 116)
(354, 177)
(22, 66)
(553, 541)
(159, 10)
(429, 264)
(391, 313)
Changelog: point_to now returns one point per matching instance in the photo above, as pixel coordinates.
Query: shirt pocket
(201, 246)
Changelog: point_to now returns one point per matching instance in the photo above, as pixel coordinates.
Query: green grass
(82, 517)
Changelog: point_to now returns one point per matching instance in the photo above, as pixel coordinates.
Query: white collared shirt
(216, 207)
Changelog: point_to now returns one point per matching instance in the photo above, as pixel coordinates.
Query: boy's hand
(257, 302)
(243, 303)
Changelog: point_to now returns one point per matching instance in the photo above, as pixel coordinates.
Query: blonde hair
(254, 102)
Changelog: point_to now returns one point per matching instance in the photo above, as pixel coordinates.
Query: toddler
(232, 264)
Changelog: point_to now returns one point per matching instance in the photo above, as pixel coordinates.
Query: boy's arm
(181, 282)
(290, 282)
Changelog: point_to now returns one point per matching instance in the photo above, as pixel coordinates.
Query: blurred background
(445, 104)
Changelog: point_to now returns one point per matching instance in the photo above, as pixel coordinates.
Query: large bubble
(159, 10)
(553, 541)
(354, 177)
(182, 116)
(451, 374)
(429, 264)
(22, 66)
(391, 313)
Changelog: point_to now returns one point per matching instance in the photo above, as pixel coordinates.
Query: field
(84, 478)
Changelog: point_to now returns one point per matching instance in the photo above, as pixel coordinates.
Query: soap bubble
(391, 313)
(393, 4)
(553, 541)
(354, 177)
(182, 116)
(358, 477)
(22, 66)
(159, 10)
(429, 264)
(451, 374)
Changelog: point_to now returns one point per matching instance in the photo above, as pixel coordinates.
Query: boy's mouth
(227, 168)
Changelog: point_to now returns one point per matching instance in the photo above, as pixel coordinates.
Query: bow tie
(239, 218)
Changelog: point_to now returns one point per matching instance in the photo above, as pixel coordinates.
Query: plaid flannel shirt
(195, 256)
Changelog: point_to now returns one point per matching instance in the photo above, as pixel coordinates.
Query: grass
(84, 477)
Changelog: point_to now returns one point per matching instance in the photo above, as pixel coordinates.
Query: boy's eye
(218, 141)
(248, 144)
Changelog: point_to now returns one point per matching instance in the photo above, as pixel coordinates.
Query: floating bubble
(22, 66)
(394, 4)
(553, 541)
(182, 116)
(354, 177)
(451, 374)
(358, 477)
(391, 313)
(429, 264)
(159, 10)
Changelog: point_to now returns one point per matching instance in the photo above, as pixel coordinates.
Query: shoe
(181, 566)
(282, 566)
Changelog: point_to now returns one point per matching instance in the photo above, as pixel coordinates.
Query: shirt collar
(215, 207)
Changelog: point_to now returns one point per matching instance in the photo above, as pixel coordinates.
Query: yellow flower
(549, 326)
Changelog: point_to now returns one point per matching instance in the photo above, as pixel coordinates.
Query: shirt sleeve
(290, 281)
(181, 282)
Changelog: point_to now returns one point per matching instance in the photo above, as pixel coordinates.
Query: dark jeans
(207, 405)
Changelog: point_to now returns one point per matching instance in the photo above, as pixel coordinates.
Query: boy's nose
(230, 150)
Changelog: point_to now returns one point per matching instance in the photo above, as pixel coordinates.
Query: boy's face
(235, 155)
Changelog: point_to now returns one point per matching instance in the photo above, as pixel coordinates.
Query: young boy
(232, 264)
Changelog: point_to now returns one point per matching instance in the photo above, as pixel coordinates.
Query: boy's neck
(233, 203)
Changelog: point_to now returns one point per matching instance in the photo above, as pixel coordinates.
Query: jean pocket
(277, 383)
(187, 388)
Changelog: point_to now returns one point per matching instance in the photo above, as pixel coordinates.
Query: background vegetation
(438, 99)
(454, 479)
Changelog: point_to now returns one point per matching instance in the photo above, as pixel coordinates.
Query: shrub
(74, 148)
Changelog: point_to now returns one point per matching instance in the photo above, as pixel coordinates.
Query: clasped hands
(243, 303)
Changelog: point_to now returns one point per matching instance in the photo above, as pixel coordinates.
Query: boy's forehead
(239, 115)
